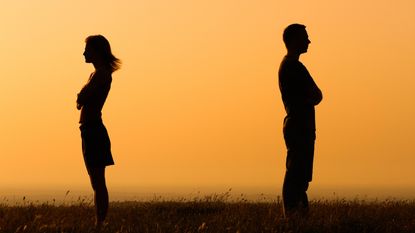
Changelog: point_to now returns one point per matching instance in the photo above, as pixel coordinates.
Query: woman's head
(98, 49)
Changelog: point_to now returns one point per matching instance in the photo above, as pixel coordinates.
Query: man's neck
(292, 56)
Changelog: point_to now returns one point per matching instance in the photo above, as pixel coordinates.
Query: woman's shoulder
(103, 75)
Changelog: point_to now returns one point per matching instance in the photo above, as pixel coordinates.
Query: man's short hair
(291, 32)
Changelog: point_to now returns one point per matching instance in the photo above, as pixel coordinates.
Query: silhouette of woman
(96, 146)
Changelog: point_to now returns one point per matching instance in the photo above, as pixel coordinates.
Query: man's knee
(297, 181)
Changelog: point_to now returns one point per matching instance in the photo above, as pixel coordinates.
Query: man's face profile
(296, 39)
(302, 41)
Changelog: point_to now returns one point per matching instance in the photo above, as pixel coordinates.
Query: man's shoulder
(290, 62)
(289, 66)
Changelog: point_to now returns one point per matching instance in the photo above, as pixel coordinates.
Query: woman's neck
(99, 65)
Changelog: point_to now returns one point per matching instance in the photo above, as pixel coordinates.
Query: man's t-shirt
(296, 86)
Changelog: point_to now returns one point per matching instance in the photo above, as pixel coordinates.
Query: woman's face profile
(89, 54)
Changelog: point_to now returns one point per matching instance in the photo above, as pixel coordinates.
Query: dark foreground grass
(213, 215)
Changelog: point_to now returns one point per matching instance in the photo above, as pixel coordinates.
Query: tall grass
(212, 214)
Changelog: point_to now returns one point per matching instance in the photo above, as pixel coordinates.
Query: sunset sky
(196, 102)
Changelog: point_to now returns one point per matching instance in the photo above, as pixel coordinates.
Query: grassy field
(212, 214)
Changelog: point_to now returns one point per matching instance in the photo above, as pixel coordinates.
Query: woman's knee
(97, 177)
(98, 184)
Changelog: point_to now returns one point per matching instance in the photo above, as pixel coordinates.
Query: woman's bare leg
(101, 200)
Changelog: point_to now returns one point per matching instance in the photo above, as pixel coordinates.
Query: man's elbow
(318, 98)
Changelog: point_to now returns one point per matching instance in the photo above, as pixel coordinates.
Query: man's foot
(99, 225)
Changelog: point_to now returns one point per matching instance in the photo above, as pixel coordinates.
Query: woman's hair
(101, 45)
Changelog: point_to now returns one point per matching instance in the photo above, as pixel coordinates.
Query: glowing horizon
(197, 102)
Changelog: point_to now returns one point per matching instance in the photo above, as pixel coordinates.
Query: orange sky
(196, 102)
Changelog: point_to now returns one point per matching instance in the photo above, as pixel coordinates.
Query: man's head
(296, 39)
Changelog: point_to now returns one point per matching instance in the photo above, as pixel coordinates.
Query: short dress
(96, 145)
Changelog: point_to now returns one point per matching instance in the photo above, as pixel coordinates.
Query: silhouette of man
(299, 94)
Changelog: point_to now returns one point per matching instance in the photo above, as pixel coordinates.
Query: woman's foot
(99, 225)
